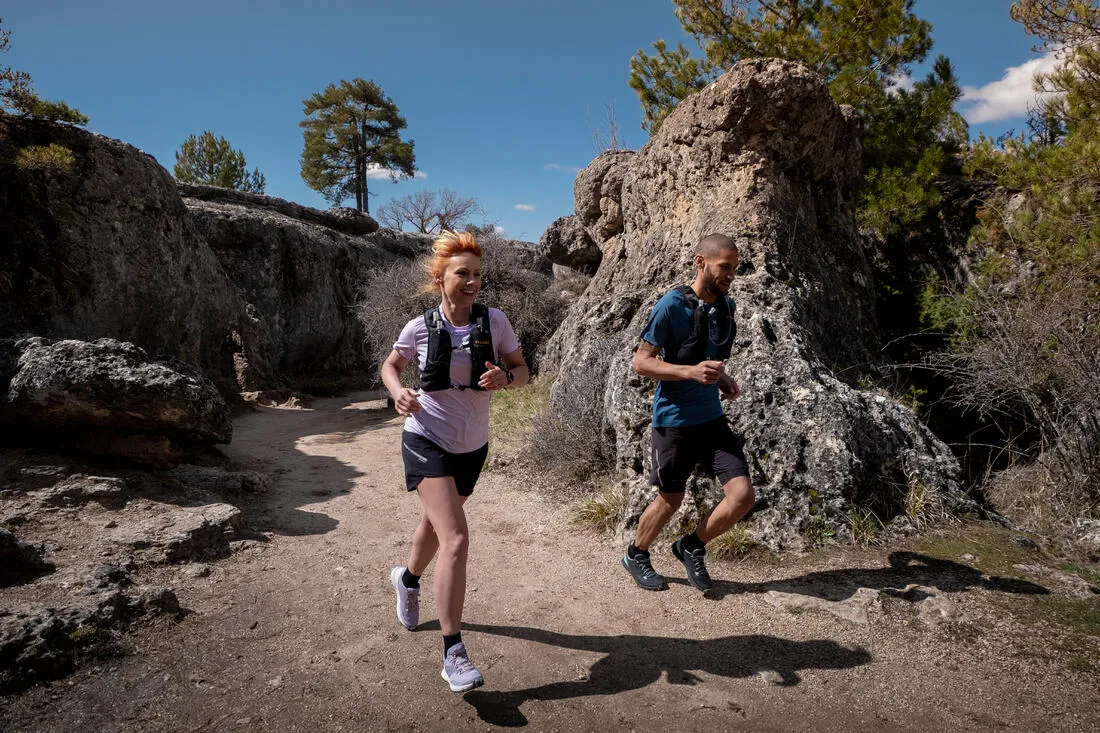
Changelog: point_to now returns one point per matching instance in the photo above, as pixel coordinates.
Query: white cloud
(1008, 97)
(376, 172)
(562, 168)
(499, 229)
(901, 81)
(523, 207)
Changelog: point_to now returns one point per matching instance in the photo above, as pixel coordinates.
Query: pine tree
(17, 95)
(861, 48)
(349, 131)
(1024, 334)
(213, 161)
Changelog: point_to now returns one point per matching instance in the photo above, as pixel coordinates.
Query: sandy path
(300, 634)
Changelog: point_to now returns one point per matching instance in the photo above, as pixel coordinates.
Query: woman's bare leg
(446, 523)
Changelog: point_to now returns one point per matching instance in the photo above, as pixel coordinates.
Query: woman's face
(461, 279)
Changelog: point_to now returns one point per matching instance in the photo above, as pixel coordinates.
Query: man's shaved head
(712, 244)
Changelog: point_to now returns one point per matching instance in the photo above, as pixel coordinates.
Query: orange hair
(447, 245)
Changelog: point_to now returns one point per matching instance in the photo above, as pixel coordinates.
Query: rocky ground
(181, 613)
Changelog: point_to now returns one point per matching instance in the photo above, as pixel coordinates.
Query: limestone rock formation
(111, 398)
(302, 276)
(108, 250)
(18, 560)
(89, 550)
(597, 194)
(575, 241)
(340, 218)
(765, 156)
(567, 243)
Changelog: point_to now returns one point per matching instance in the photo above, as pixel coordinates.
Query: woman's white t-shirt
(457, 420)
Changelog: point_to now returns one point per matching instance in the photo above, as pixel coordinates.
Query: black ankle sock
(692, 542)
(409, 580)
(449, 640)
(633, 551)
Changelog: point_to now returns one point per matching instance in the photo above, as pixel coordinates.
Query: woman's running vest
(436, 373)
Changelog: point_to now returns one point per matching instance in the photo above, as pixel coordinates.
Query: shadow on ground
(905, 569)
(632, 662)
(309, 478)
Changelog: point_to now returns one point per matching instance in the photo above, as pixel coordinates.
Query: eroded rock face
(765, 156)
(109, 250)
(342, 219)
(567, 243)
(597, 194)
(109, 398)
(302, 276)
(70, 385)
(82, 542)
(577, 241)
(18, 560)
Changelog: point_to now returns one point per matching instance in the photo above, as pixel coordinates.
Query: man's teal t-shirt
(681, 403)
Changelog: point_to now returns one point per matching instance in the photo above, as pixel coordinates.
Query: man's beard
(710, 284)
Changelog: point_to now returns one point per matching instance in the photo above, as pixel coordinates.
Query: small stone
(110, 525)
(198, 570)
(275, 682)
(1026, 542)
(771, 677)
(967, 557)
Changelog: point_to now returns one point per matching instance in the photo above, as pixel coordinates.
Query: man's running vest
(436, 374)
(693, 350)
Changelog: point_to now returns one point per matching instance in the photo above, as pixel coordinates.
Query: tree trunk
(361, 170)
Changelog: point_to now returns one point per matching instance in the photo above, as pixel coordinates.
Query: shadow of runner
(632, 662)
(906, 568)
(303, 473)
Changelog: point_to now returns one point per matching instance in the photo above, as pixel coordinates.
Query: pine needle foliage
(351, 130)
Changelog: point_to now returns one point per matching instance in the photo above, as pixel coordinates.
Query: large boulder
(109, 397)
(108, 250)
(303, 276)
(578, 241)
(597, 194)
(569, 244)
(765, 156)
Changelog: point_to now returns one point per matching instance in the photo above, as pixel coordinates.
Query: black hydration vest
(693, 350)
(436, 374)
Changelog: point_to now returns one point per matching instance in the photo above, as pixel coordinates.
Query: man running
(689, 336)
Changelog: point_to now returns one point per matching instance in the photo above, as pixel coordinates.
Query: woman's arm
(496, 378)
(404, 399)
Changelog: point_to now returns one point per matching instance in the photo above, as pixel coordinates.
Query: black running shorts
(676, 451)
(424, 459)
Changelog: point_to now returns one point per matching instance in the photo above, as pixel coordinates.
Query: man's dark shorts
(676, 451)
(424, 459)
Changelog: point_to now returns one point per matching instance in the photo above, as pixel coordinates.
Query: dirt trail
(300, 635)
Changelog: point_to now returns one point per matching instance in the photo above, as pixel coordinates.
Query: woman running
(465, 351)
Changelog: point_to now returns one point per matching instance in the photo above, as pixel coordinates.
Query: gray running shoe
(641, 569)
(459, 671)
(694, 565)
(408, 600)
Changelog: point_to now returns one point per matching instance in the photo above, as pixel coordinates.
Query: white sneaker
(459, 671)
(408, 600)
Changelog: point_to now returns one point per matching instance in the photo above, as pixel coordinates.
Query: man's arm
(647, 364)
(728, 387)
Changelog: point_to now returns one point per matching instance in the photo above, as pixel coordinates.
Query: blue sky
(500, 96)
